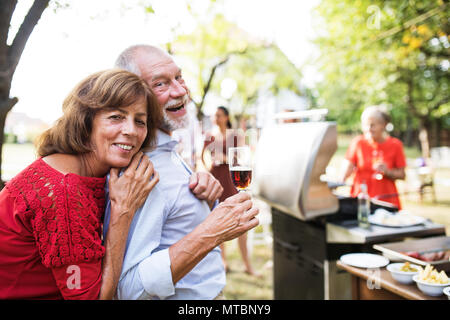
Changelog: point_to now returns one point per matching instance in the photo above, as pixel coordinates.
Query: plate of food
(403, 272)
(431, 250)
(364, 260)
(398, 219)
(429, 256)
(430, 281)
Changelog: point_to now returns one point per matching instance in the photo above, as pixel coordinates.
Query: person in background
(375, 158)
(289, 120)
(51, 212)
(172, 249)
(217, 142)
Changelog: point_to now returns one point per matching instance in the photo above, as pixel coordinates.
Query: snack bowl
(405, 277)
(430, 289)
(447, 292)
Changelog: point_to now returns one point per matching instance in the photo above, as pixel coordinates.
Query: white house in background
(24, 127)
(268, 106)
(288, 99)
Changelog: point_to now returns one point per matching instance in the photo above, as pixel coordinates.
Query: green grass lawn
(240, 285)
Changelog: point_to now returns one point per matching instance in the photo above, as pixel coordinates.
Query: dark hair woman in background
(217, 142)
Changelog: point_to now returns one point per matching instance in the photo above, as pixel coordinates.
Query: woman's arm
(398, 170)
(127, 193)
(348, 169)
(394, 173)
(209, 138)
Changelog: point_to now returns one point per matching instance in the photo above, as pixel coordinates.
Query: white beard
(170, 124)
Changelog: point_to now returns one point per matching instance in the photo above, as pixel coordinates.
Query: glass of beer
(240, 164)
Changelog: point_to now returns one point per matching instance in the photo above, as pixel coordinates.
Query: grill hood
(290, 159)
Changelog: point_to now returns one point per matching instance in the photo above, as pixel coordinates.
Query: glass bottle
(363, 207)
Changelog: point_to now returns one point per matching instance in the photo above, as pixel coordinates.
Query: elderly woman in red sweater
(375, 158)
(51, 212)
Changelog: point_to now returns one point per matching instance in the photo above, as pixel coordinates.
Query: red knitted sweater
(50, 235)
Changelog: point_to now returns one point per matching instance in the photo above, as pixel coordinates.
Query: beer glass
(240, 164)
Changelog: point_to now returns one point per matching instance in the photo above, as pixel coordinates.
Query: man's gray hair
(127, 59)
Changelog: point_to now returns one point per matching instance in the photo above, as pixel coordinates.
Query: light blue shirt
(170, 212)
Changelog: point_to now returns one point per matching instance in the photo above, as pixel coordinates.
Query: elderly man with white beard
(172, 247)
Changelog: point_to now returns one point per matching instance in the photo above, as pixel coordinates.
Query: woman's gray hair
(376, 111)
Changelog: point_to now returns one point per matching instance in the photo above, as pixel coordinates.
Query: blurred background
(258, 58)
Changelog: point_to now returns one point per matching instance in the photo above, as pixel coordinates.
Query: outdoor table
(381, 285)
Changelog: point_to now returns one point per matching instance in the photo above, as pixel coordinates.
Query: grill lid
(290, 160)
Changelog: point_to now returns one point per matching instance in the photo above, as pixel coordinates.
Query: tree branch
(211, 76)
(21, 38)
(7, 105)
(440, 102)
(411, 22)
(6, 12)
(443, 54)
(409, 97)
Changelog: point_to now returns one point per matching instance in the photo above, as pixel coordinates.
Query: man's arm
(229, 220)
(157, 273)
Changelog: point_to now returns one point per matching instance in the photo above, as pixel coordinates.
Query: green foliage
(218, 49)
(394, 53)
(149, 9)
(10, 138)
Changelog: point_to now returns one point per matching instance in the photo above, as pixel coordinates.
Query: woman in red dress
(217, 142)
(376, 159)
(51, 212)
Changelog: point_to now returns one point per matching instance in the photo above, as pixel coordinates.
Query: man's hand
(205, 187)
(231, 218)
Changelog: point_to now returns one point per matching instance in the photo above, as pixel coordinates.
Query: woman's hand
(380, 167)
(129, 191)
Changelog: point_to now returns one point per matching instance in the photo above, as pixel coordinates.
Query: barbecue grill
(312, 226)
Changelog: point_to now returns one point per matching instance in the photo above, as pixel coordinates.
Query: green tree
(386, 52)
(209, 47)
(218, 49)
(264, 69)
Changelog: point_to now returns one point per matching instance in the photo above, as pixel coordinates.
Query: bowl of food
(403, 272)
(447, 292)
(430, 281)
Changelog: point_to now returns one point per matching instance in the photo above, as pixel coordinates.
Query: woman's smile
(117, 135)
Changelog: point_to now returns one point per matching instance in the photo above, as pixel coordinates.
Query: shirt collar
(165, 140)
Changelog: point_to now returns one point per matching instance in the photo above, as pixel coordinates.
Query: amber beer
(241, 176)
